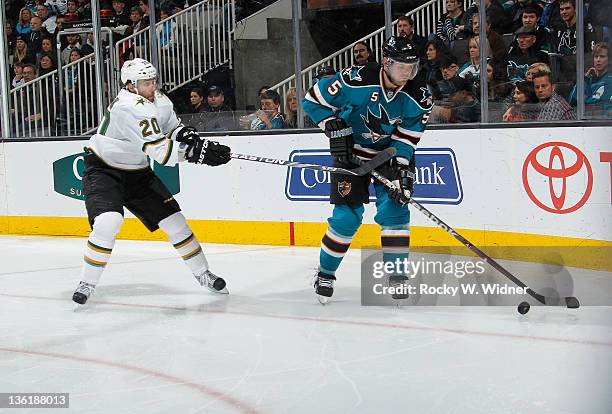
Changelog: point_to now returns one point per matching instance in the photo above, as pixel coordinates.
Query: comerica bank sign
(437, 177)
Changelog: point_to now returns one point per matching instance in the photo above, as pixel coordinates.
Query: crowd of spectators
(530, 49)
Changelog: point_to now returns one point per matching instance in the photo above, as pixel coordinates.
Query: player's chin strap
(570, 301)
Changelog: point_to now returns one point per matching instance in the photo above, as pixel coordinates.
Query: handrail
(426, 15)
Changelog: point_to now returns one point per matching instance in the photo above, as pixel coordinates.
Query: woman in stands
(23, 25)
(291, 107)
(22, 54)
(46, 64)
(434, 49)
(525, 104)
(471, 69)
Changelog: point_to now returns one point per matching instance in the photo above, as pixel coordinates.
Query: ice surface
(153, 341)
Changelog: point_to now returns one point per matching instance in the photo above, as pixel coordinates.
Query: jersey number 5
(147, 125)
(334, 88)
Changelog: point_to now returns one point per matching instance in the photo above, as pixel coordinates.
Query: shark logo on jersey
(427, 98)
(516, 72)
(599, 93)
(380, 126)
(353, 73)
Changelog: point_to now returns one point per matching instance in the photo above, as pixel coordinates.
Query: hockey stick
(571, 301)
(363, 169)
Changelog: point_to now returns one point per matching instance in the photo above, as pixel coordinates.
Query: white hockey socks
(100, 245)
(185, 242)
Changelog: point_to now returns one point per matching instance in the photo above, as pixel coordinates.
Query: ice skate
(212, 282)
(82, 294)
(324, 286)
(400, 283)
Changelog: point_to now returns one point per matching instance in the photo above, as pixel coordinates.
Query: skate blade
(223, 291)
(323, 300)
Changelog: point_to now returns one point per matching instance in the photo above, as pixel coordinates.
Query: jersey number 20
(147, 125)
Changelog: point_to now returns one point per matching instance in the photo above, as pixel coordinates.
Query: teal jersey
(380, 118)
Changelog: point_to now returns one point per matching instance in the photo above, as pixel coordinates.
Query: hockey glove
(187, 134)
(202, 151)
(341, 141)
(403, 179)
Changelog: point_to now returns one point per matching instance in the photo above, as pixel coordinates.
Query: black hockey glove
(208, 152)
(187, 134)
(403, 177)
(341, 141)
(202, 151)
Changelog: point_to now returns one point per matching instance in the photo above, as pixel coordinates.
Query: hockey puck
(523, 308)
(572, 302)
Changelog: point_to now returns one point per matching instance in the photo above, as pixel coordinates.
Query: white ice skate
(324, 286)
(82, 294)
(212, 282)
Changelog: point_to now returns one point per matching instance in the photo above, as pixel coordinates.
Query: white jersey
(134, 128)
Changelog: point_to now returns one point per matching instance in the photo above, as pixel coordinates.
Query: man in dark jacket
(219, 116)
(524, 54)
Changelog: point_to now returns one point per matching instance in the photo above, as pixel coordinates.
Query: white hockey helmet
(137, 69)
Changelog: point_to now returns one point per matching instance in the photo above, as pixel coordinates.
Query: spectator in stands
(48, 22)
(269, 116)
(22, 53)
(291, 107)
(529, 18)
(516, 12)
(536, 67)
(144, 8)
(196, 97)
(496, 42)
(553, 106)
(450, 25)
(448, 67)
(362, 53)
(598, 83)
(405, 28)
(525, 53)
(120, 16)
(46, 64)
(10, 36)
(497, 83)
(136, 20)
(57, 7)
(36, 34)
(18, 77)
(471, 69)
(525, 104)
(566, 33)
(434, 50)
(220, 116)
(23, 24)
(29, 72)
(88, 47)
(73, 72)
(501, 20)
(46, 46)
(259, 94)
(551, 16)
(74, 42)
(72, 14)
(462, 106)
(166, 32)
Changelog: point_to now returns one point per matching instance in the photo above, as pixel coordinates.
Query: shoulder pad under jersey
(365, 75)
(417, 89)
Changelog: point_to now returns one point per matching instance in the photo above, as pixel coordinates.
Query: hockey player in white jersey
(141, 124)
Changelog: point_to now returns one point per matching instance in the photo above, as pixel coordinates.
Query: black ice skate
(82, 293)
(400, 284)
(324, 286)
(212, 282)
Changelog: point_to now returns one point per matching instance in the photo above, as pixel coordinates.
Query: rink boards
(516, 187)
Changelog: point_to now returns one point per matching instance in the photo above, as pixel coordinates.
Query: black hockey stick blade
(363, 169)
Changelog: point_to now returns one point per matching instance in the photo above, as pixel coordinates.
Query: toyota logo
(566, 191)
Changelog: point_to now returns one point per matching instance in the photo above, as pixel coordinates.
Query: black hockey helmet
(400, 49)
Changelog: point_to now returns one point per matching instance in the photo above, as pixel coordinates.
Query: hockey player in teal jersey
(363, 110)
